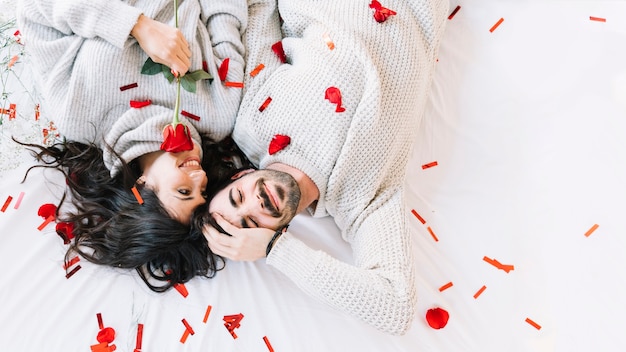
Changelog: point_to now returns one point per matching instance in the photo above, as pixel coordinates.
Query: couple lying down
(332, 92)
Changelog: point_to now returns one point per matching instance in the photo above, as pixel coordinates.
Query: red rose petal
(278, 50)
(66, 231)
(278, 143)
(176, 138)
(47, 210)
(106, 335)
(437, 318)
(223, 70)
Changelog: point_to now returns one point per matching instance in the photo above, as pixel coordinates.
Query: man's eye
(254, 223)
(184, 192)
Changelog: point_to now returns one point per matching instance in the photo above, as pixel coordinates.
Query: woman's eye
(204, 195)
(184, 192)
(240, 196)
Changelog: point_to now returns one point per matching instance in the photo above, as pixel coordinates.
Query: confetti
(329, 42)
(187, 326)
(277, 48)
(265, 104)
(222, 71)
(591, 230)
(506, 267)
(421, 219)
(183, 338)
(278, 143)
(535, 325)
(268, 344)
(182, 289)
(19, 200)
(139, 337)
(597, 19)
(381, 14)
(13, 61)
(256, 70)
(454, 12)
(480, 292)
(205, 66)
(190, 115)
(6, 204)
(129, 86)
(100, 323)
(71, 262)
(496, 25)
(140, 104)
(137, 195)
(445, 287)
(429, 165)
(206, 314)
(432, 234)
(37, 113)
(234, 84)
(45, 223)
(333, 94)
(68, 275)
(232, 322)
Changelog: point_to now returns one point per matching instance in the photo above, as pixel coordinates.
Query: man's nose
(198, 176)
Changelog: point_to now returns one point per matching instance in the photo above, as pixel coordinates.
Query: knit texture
(83, 54)
(357, 157)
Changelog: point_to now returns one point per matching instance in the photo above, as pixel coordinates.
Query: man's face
(259, 198)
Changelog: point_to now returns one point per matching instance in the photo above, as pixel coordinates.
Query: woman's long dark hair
(112, 228)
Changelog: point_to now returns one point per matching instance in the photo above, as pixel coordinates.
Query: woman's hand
(243, 244)
(163, 43)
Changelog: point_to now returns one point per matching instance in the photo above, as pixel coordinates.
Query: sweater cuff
(293, 258)
(117, 21)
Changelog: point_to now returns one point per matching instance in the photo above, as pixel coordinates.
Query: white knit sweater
(357, 158)
(82, 55)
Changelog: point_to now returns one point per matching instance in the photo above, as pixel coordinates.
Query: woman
(88, 57)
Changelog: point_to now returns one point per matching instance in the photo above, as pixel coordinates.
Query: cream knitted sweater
(357, 158)
(82, 55)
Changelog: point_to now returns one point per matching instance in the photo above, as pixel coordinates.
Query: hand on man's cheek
(240, 244)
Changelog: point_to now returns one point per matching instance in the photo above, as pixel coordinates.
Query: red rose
(176, 138)
(437, 318)
(278, 143)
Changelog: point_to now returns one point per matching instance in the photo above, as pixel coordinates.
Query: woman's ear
(241, 173)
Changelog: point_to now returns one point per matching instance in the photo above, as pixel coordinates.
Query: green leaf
(167, 72)
(199, 74)
(188, 83)
(150, 67)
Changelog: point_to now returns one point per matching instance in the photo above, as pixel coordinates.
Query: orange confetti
(13, 61)
(183, 338)
(454, 12)
(496, 25)
(591, 230)
(12, 111)
(597, 19)
(206, 314)
(480, 292)
(433, 234)
(137, 195)
(531, 322)
(421, 219)
(268, 344)
(497, 264)
(445, 287)
(6, 204)
(37, 113)
(329, 41)
(234, 84)
(257, 70)
(45, 223)
(429, 165)
(182, 289)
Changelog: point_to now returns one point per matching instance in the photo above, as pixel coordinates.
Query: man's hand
(163, 43)
(242, 244)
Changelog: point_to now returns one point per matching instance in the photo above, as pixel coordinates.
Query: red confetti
(6, 204)
(182, 289)
(140, 104)
(234, 84)
(506, 267)
(265, 104)
(100, 323)
(278, 50)
(454, 12)
(535, 325)
(445, 287)
(45, 223)
(432, 234)
(106, 335)
(437, 318)
(190, 115)
(129, 86)
(496, 25)
(232, 322)
(139, 337)
(205, 66)
(37, 112)
(66, 231)
(19, 200)
(187, 326)
(381, 14)
(257, 70)
(329, 41)
(206, 314)
(137, 195)
(47, 210)
(421, 219)
(68, 275)
(268, 344)
(597, 19)
(480, 292)
(223, 70)
(429, 165)
(71, 262)
(333, 94)
(278, 143)
(591, 230)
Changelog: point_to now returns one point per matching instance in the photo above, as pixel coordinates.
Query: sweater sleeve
(379, 288)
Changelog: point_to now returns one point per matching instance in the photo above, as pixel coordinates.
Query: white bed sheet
(526, 124)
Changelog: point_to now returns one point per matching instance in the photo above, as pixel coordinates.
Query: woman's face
(177, 179)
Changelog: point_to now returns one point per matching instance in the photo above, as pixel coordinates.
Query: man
(332, 130)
